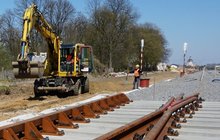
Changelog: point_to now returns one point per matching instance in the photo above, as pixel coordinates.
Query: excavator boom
(25, 67)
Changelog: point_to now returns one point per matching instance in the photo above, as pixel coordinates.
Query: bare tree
(21, 5)
(1, 26)
(93, 5)
(8, 33)
(75, 30)
(59, 13)
(112, 22)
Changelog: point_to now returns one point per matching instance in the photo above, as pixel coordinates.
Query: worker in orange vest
(69, 62)
(137, 74)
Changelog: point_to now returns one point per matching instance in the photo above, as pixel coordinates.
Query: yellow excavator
(53, 70)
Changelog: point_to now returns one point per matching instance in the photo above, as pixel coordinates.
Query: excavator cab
(82, 61)
(71, 77)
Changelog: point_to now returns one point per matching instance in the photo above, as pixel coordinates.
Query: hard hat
(137, 66)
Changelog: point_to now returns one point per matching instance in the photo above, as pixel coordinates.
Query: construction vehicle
(53, 74)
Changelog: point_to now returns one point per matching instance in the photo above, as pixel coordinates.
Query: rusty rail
(164, 127)
(156, 125)
(48, 124)
(150, 126)
(138, 125)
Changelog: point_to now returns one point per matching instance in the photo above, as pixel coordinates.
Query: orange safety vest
(69, 58)
(136, 73)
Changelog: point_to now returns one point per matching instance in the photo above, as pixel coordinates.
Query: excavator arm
(24, 67)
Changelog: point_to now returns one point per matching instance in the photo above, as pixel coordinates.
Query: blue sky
(193, 21)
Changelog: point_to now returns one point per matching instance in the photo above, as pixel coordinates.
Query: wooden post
(142, 50)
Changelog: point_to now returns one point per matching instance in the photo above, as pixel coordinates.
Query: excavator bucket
(25, 69)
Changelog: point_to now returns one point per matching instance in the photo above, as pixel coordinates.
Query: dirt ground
(21, 99)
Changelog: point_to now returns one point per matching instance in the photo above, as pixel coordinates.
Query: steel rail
(184, 99)
(138, 126)
(163, 127)
(141, 127)
(48, 124)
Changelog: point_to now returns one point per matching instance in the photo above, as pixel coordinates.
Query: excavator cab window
(64, 52)
(86, 59)
(83, 58)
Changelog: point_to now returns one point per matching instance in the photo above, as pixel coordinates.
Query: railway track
(120, 119)
(205, 124)
(159, 124)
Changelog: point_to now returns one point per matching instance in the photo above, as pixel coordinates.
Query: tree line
(110, 26)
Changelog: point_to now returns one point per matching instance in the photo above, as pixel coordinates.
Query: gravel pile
(187, 85)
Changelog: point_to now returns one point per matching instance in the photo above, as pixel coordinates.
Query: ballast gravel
(207, 83)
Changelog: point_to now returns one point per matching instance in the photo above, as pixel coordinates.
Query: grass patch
(4, 90)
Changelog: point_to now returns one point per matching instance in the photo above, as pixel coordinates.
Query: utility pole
(142, 50)
(184, 56)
